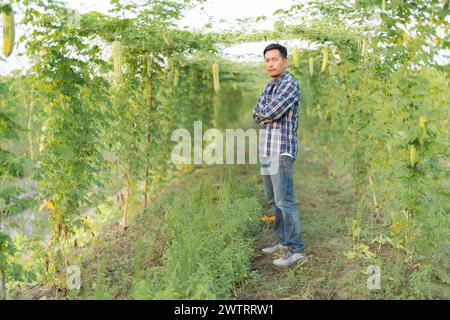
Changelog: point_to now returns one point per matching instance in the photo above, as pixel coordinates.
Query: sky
(217, 9)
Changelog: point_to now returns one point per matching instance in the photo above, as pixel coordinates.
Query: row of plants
(377, 104)
(103, 95)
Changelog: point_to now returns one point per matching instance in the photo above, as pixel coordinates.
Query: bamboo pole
(127, 195)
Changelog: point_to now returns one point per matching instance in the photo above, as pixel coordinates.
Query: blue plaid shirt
(277, 113)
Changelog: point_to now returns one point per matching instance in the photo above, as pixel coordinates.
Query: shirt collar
(280, 78)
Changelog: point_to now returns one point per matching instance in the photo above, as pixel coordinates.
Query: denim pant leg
(278, 226)
(283, 190)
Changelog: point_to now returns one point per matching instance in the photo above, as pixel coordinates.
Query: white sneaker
(274, 248)
(289, 259)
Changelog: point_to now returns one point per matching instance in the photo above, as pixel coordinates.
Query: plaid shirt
(277, 113)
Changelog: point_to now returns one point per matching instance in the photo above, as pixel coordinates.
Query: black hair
(277, 46)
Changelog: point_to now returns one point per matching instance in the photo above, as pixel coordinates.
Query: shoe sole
(292, 264)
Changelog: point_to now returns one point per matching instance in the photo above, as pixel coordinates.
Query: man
(277, 113)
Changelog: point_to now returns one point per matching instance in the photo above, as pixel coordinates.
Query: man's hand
(258, 119)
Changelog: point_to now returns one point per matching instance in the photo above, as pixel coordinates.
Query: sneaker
(274, 248)
(289, 259)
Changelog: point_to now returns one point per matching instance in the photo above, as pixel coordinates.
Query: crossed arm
(286, 98)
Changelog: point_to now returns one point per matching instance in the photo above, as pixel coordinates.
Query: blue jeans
(279, 190)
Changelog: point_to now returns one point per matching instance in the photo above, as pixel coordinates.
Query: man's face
(274, 63)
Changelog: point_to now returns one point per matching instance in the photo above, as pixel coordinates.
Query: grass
(194, 242)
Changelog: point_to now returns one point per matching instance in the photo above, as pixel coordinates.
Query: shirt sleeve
(257, 117)
(288, 95)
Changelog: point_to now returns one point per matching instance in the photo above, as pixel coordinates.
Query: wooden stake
(127, 195)
(374, 199)
(149, 97)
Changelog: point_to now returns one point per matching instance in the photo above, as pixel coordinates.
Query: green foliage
(385, 116)
(85, 114)
(11, 168)
(208, 236)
